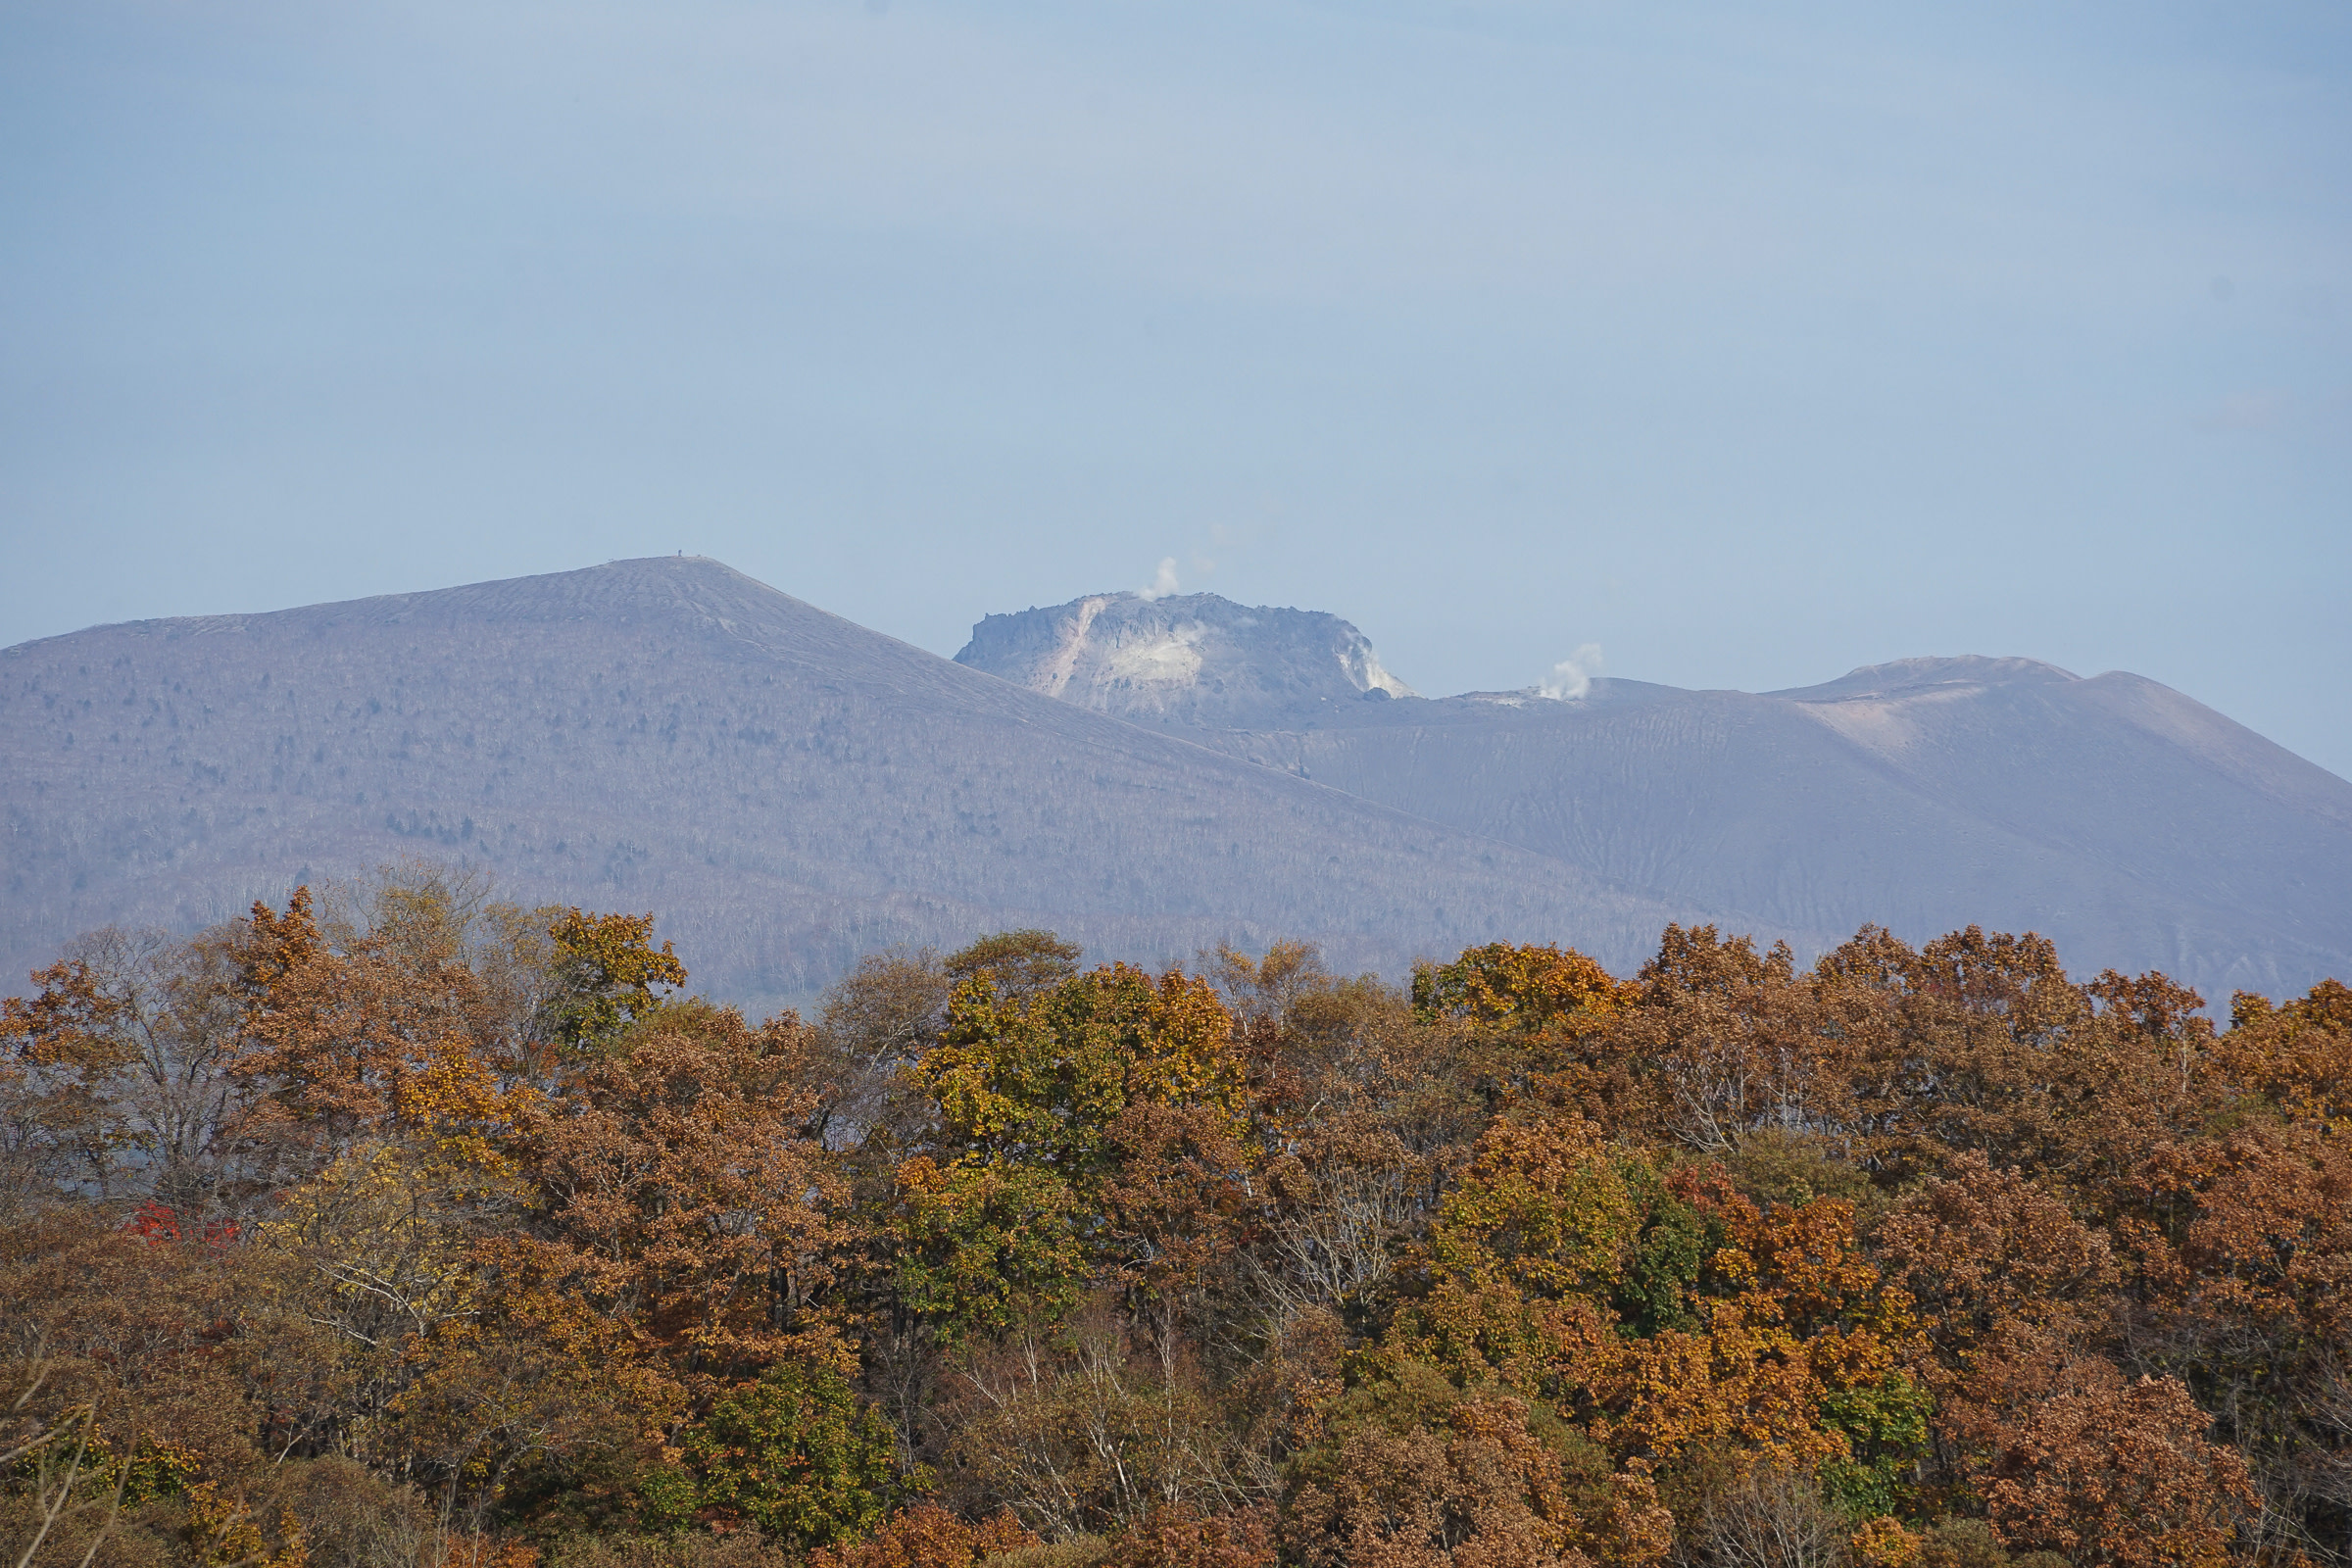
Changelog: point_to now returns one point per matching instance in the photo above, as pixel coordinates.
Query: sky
(1736, 346)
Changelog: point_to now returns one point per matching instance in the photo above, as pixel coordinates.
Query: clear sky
(1750, 342)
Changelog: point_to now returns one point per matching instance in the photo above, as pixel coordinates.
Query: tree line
(401, 1227)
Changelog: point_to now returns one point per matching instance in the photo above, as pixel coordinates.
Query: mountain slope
(788, 790)
(2134, 826)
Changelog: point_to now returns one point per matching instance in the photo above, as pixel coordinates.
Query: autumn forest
(402, 1227)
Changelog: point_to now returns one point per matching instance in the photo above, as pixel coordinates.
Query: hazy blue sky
(1751, 343)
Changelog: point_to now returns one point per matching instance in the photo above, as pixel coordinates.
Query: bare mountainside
(2134, 826)
(786, 789)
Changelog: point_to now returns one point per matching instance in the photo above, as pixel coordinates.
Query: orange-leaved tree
(677, 1189)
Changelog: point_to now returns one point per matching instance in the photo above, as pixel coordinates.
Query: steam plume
(1572, 677)
(1164, 582)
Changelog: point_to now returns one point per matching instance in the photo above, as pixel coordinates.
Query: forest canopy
(401, 1227)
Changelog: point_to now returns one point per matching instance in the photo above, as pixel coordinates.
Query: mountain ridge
(2134, 826)
(787, 789)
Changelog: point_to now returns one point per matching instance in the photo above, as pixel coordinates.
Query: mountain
(1190, 659)
(789, 790)
(2136, 827)
(786, 789)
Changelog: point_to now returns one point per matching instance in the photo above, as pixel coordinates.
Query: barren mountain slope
(786, 789)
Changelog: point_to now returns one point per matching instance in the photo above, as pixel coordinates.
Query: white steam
(1164, 582)
(1572, 677)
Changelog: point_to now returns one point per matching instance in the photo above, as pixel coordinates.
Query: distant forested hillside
(1151, 778)
(399, 1227)
(667, 733)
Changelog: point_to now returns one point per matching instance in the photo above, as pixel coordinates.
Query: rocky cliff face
(1191, 660)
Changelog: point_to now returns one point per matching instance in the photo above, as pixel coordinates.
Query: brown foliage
(2006, 1282)
(735, 1548)
(376, 1036)
(1477, 1489)
(1408, 1469)
(927, 1535)
(1733, 1043)
(2240, 1254)
(1181, 1536)
(1177, 1199)
(2297, 1056)
(403, 1229)
(681, 1195)
(2116, 1472)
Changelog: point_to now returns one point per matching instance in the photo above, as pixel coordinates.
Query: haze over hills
(2134, 826)
(786, 789)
